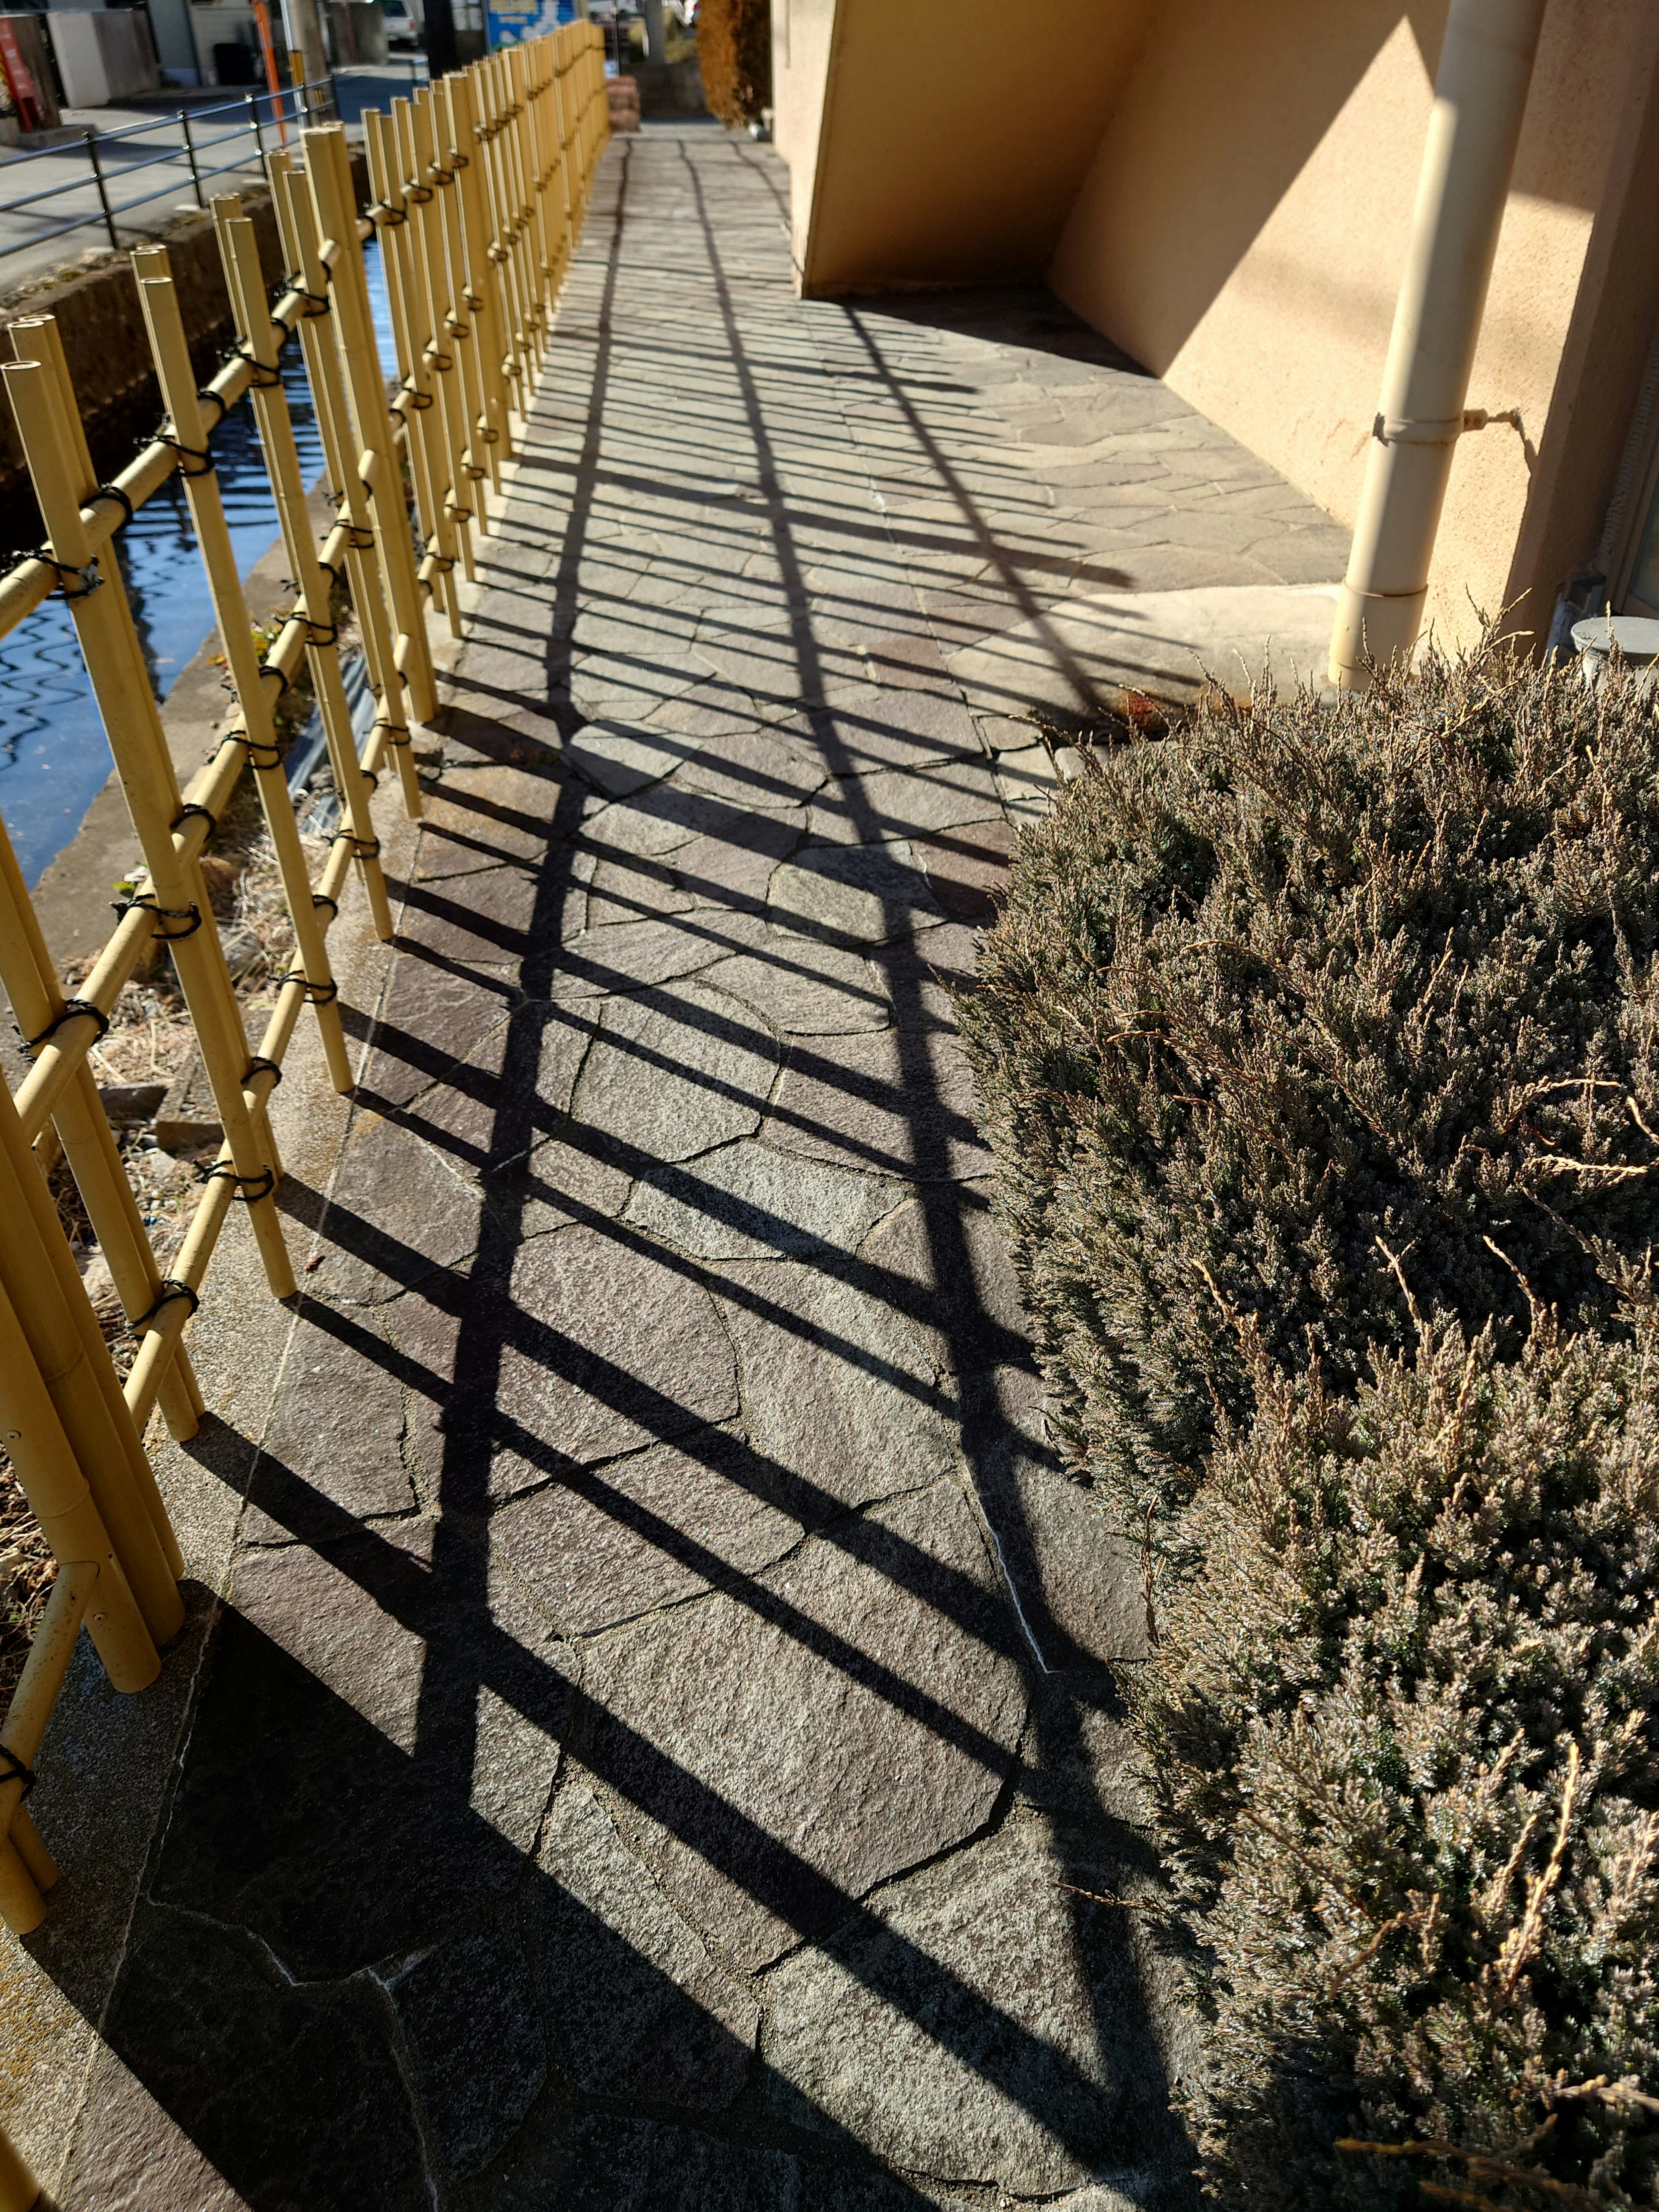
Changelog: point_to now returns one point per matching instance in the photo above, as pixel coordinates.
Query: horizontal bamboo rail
(480, 184)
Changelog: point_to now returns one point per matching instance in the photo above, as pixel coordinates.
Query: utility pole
(656, 38)
(440, 38)
(307, 56)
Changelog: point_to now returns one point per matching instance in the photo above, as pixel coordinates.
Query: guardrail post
(189, 151)
(103, 194)
(253, 125)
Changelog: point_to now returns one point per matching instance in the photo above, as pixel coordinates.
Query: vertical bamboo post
(67, 1350)
(244, 281)
(416, 399)
(532, 246)
(512, 335)
(458, 321)
(519, 192)
(328, 168)
(416, 141)
(170, 352)
(63, 1499)
(296, 219)
(544, 159)
(43, 405)
(38, 1005)
(466, 156)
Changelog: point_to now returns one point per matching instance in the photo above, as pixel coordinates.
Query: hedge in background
(734, 50)
(1401, 1728)
(1298, 986)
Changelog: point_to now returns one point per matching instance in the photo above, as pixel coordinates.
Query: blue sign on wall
(510, 23)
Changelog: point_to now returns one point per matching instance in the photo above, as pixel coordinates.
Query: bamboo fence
(480, 183)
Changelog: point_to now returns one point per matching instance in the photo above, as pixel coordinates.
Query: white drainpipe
(1479, 96)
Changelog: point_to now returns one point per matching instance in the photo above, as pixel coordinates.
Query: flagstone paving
(653, 1744)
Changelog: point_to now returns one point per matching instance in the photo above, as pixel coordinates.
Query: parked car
(401, 27)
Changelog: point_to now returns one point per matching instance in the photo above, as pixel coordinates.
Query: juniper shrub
(1401, 1732)
(1300, 984)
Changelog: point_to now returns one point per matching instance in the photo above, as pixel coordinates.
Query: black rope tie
(321, 898)
(16, 1771)
(171, 1288)
(191, 915)
(420, 401)
(360, 541)
(317, 303)
(397, 733)
(260, 1066)
(73, 1011)
(364, 848)
(259, 757)
(443, 563)
(186, 455)
(249, 1190)
(322, 633)
(269, 668)
(191, 807)
(330, 571)
(115, 491)
(205, 392)
(317, 994)
(87, 578)
(390, 216)
(421, 192)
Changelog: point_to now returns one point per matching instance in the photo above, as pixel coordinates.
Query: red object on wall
(25, 93)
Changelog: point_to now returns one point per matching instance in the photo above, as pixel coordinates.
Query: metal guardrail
(293, 109)
(481, 184)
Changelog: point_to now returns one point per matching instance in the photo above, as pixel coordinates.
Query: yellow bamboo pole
(67, 1350)
(518, 189)
(170, 350)
(466, 158)
(514, 348)
(328, 168)
(42, 1679)
(43, 404)
(457, 322)
(353, 540)
(544, 161)
(416, 399)
(240, 252)
(40, 1007)
(513, 67)
(421, 194)
(63, 1502)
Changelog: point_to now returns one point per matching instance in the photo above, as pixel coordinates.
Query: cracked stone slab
(979, 2022)
(946, 1248)
(627, 954)
(1079, 1576)
(753, 768)
(603, 1546)
(455, 2004)
(675, 1073)
(890, 803)
(480, 817)
(867, 893)
(778, 1755)
(840, 1389)
(1167, 643)
(431, 1018)
(608, 2162)
(336, 1434)
(637, 2004)
(484, 919)
(893, 1102)
(225, 2086)
(816, 990)
(600, 1347)
(396, 1214)
(372, 1752)
(620, 758)
(751, 1202)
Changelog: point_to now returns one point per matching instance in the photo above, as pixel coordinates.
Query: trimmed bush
(1402, 1735)
(1298, 986)
(734, 49)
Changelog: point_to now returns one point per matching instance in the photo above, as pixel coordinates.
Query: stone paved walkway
(656, 1741)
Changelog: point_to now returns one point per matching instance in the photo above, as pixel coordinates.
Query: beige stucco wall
(1242, 228)
(936, 145)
